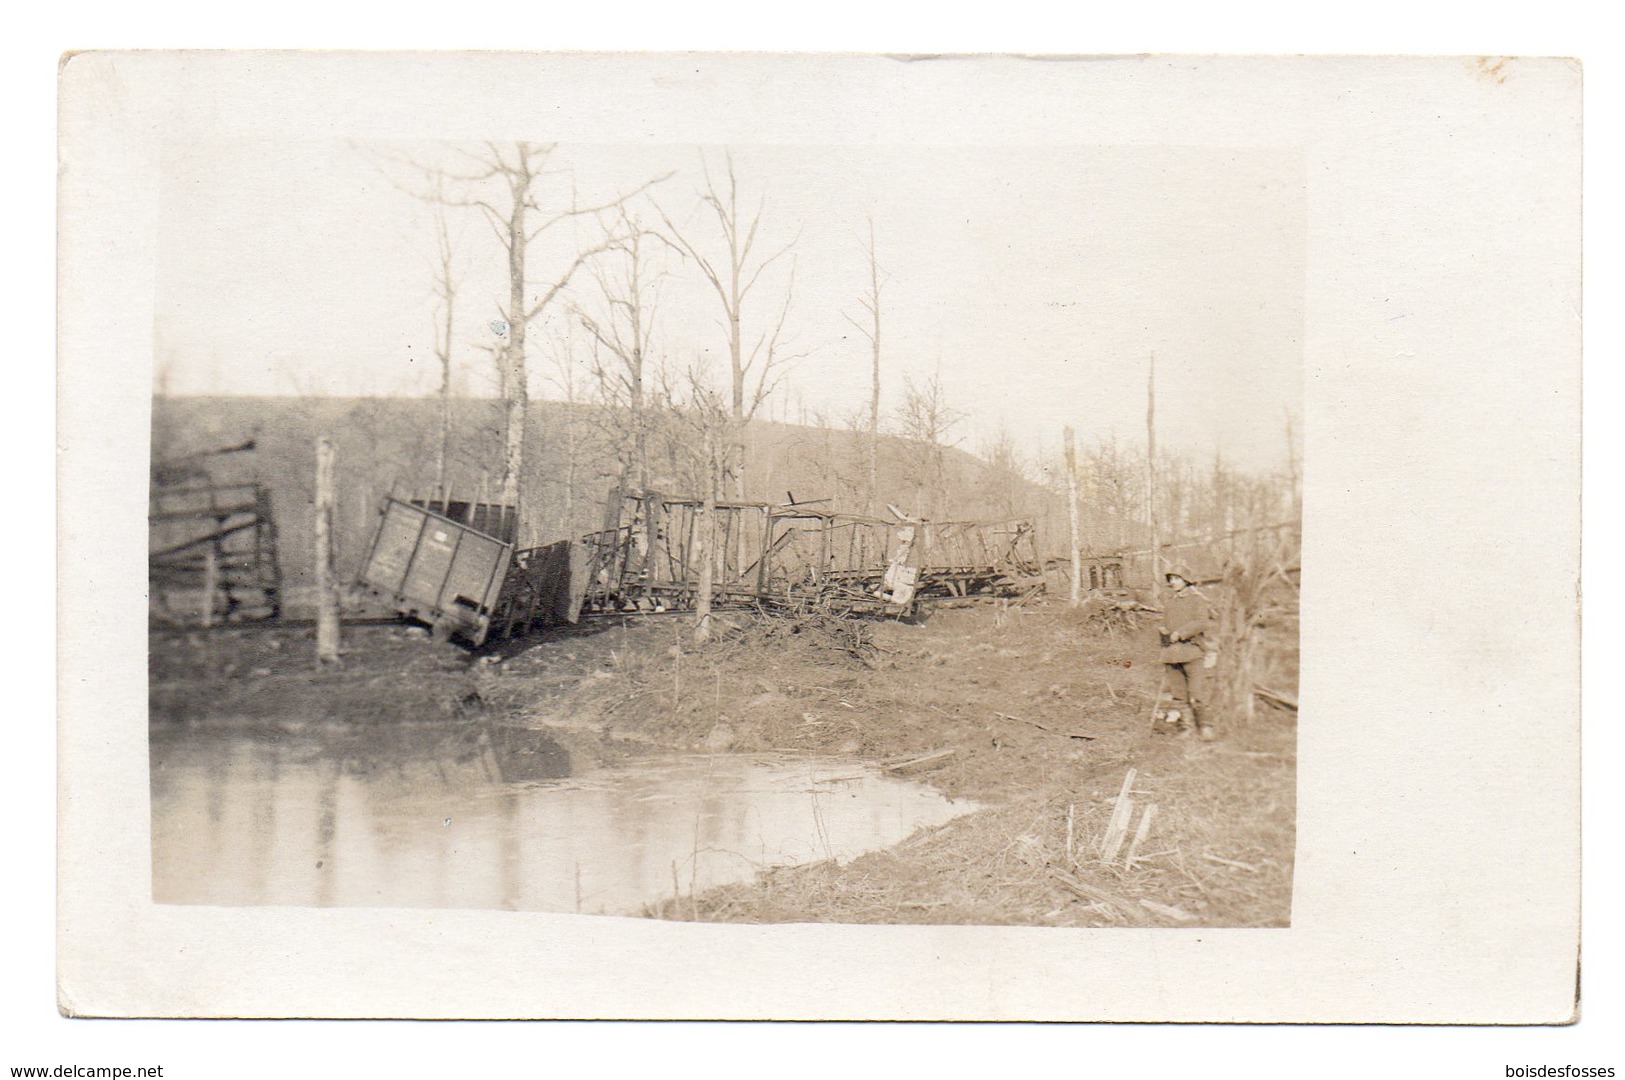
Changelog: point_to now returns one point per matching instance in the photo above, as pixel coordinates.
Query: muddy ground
(1036, 711)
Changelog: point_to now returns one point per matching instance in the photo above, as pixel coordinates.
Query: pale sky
(1036, 280)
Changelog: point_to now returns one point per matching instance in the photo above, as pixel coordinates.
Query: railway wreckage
(211, 547)
(458, 567)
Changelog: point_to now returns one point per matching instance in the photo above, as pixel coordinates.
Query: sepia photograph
(734, 533)
(843, 537)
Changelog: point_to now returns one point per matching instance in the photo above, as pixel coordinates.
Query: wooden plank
(1276, 697)
(211, 578)
(1139, 835)
(211, 538)
(1095, 894)
(1172, 913)
(1117, 827)
(201, 512)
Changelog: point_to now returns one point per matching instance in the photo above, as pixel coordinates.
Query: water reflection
(524, 755)
(499, 818)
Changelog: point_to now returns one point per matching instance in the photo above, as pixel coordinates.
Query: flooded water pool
(498, 819)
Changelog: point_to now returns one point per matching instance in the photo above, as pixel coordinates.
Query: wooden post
(211, 582)
(1072, 518)
(1139, 835)
(705, 537)
(1151, 476)
(327, 598)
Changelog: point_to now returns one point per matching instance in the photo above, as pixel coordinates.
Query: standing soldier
(1188, 656)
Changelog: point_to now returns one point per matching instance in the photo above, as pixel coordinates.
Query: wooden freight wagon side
(429, 567)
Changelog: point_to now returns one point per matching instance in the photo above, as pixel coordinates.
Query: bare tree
(706, 423)
(624, 330)
(562, 374)
(1112, 473)
(871, 330)
(503, 184)
(1075, 544)
(926, 421)
(755, 372)
(1005, 480)
(445, 290)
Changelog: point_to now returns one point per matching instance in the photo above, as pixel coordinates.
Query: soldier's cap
(1169, 575)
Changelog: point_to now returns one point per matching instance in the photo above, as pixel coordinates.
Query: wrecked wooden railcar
(463, 575)
(766, 553)
(545, 586)
(211, 547)
(979, 558)
(428, 566)
(647, 557)
(212, 554)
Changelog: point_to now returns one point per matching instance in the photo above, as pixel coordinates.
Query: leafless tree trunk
(211, 582)
(705, 536)
(703, 414)
(625, 330)
(926, 421)
(327, 600)
(733, 279)
(1072, 517)
(516, 215)
(871, 304)
(445, 285)
(564, 379)
(520, 175)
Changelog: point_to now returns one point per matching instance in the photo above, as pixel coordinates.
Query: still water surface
(503, 819)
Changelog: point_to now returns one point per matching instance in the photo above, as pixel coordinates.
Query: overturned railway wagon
(430, 566)
(457, 569)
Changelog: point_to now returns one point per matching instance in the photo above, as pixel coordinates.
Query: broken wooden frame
(767, 553)
(212, 553)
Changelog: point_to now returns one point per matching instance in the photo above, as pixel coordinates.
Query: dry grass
(1219, 849)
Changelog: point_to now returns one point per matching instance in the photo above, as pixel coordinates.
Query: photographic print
(758, 511)
(739, 533)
